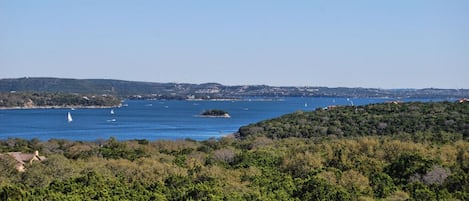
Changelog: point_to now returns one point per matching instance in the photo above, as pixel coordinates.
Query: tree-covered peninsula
(55, 100)
(403, 151)
(413, 119)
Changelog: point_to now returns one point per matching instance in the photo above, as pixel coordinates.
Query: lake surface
(158, 119)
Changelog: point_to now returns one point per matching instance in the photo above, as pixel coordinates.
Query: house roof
(23, 157)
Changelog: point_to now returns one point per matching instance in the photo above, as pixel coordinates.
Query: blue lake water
(157, 119)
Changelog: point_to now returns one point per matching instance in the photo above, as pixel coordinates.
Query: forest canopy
(415, 119)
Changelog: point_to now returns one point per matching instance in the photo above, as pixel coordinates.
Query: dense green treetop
(376, 119)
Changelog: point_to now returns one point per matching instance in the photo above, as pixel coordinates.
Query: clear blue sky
(384, 44)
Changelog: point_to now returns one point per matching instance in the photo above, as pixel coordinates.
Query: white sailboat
(69, 117)
(112, 111)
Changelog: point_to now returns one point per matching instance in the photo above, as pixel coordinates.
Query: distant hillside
(208, 90)
(433, 120)
(95, 86)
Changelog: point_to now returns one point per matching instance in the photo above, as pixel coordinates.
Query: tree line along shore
(28, 100)
(387, 151)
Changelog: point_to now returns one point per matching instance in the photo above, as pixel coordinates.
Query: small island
(215, 113)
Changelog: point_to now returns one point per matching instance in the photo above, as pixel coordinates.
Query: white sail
(112, 111)
(69, 117)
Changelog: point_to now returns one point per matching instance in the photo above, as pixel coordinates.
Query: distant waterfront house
(463, 100)
(395, 102)
(25, 158)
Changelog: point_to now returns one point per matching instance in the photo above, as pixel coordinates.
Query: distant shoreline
(171, 90)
